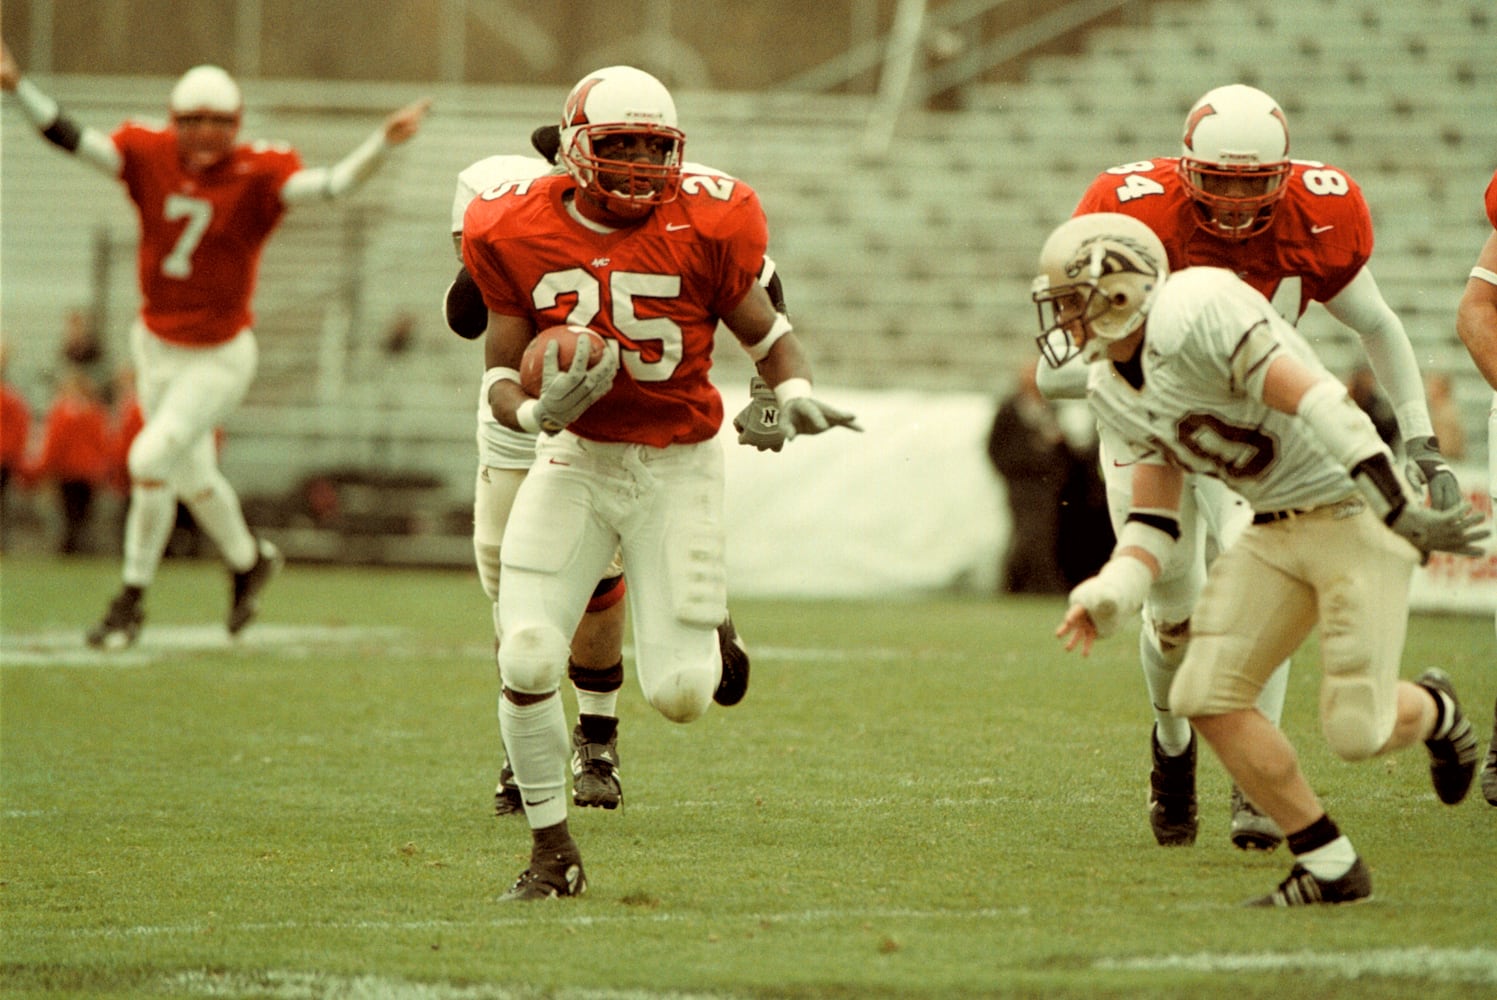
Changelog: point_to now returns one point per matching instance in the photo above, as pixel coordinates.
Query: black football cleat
(1172, 795)
(595, 772)
(1452, 759)
(1251, 830)
(248, 585)
(507, 794)
(557, 875)
(1303, 889)
(121, 624)
(733, 684)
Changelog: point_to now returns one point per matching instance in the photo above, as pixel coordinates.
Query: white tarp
(913, 504)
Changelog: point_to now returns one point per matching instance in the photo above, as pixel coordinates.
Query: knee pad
(1348, 718)
(533, 660)
(681, 696)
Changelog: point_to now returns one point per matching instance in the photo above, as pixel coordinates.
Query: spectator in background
(1450, 431)
(207, 204)
(15, 429)
(1362, 386)
(1029, 451)
(81, 347)
(75, 455)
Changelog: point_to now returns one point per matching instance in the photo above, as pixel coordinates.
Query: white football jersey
(1209, 341)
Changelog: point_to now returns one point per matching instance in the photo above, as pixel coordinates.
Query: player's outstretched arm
(345, 176)
(56, 126)
(767, 337)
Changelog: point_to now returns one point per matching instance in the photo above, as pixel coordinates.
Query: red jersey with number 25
(1321, 234)
(658, 288)
(200, 234)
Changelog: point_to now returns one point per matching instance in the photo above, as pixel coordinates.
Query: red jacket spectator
(15, 427)
(76, 445)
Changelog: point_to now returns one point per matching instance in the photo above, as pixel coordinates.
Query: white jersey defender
(1208, 330)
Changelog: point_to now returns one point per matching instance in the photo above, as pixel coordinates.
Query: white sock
(597, 702)
(539, 747)
(1330, 862)
(1159, 673)
(216, 510)
(148, 524)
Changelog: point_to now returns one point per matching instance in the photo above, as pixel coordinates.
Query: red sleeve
(1492, 200)
(15, 428)
(482, 259)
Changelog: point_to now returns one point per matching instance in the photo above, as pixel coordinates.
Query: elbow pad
(464, 308)
(1339, 424)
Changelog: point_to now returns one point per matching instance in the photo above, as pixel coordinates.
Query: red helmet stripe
(575, 112)
(1201, 114)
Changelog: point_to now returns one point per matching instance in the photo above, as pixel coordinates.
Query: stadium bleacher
(897, 266)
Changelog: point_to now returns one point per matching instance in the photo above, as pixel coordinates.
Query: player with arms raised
(652, 258)
(207, 204)
(1194, 372)
(1298, 232)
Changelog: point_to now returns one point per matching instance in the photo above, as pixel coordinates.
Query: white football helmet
(1235, 159)
(1099, 275)
(616, 101)
(206, 88)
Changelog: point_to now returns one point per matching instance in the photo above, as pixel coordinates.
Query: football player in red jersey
(595, 665)
(652, 258)
(207, 203)
(1298, 232)
(1476, 323)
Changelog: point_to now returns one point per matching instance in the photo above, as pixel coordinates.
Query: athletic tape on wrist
(792, 388)
(527, 418)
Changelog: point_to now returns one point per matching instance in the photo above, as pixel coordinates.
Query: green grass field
(917, 798)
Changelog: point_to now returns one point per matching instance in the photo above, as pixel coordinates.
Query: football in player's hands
(566, 337)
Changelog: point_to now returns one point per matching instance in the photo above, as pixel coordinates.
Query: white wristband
(41, 109)
(526, 418)
(498, 374)
(792, 388)
(1482, 274)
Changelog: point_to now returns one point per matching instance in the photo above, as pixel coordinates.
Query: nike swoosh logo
(542, 802)
(672, 227)
(555, 461)
(1317, 230)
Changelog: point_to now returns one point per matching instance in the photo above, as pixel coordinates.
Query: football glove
(1428, 530)
(758, 423)
(1427, 467)
(566, 395)
(1116, 594)
(804, 415)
